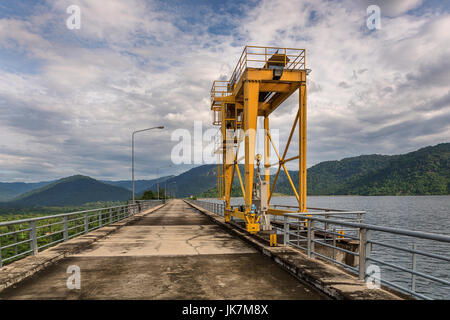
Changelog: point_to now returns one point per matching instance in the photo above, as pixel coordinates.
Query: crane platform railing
(260, 58)
(266, 58)
(20, 238)
(219, 89)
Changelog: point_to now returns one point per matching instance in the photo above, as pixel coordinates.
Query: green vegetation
(150, 195)
(10, 190)
(194, 181)
(140, 185)
(212, 193)
(7, 213)
(71, 191)
(422, 172)
(49, 230)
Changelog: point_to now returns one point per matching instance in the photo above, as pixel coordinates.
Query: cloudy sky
(69, 99)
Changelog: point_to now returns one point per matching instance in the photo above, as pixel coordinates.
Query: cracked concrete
(322, 275)
(173, 253)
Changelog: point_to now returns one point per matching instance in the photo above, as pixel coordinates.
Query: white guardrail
(330, 228)
(20, 238)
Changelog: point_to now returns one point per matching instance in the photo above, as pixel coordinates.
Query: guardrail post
(334, 244)
(1, 263)
(310, 237)
(65, 229)
(100, 219)
(33, 238)
(364, 252)
(368, 246)
(414, 268)
(15, 241)
(86, 225)
(110, 216)
(286, 231)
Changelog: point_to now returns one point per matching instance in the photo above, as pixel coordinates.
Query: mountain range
(425, 171)
(422, 172)
(139, 185)
(10, 190)
(70, 191)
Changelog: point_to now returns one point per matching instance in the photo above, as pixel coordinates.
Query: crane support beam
(266, 153)
(263, 79)
(250, 126)
(302, 148)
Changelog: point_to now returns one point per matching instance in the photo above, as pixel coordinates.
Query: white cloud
(392, 8)
(135, 64)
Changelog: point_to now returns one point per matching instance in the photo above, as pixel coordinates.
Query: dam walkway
(171, 252)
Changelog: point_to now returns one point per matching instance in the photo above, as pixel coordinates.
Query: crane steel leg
(251, 97)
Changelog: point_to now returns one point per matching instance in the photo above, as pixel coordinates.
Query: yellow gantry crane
(262, 80)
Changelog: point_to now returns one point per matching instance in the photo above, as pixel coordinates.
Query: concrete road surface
(173, 253)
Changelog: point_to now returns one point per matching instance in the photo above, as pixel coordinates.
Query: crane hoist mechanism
(262, 80)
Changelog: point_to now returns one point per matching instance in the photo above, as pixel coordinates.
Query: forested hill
(422, 172)
(75, 190)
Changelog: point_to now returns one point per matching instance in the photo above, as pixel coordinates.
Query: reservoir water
(421, 213)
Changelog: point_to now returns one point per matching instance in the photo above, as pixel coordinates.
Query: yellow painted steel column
(228, 164)
(227, 160)
(266, 153)
(302, 148)
(251, 96)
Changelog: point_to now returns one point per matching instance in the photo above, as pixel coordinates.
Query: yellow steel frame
(237, 104)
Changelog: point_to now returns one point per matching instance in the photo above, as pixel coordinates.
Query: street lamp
(157, 173)
(169, 186)
(132, 153)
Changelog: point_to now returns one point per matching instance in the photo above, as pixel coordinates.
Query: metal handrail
(5, 223)
(244, 60)
(404, 232)
(34, 236)
(295, 225)
(365, 244)
(294, 59)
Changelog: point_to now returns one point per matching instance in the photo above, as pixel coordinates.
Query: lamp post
(157, 173)
(132, 153)
(169, 186)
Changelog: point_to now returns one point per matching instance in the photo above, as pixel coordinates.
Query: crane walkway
(174, 252)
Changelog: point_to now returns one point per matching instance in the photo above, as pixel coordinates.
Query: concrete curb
(325, 277)
(25, 268)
